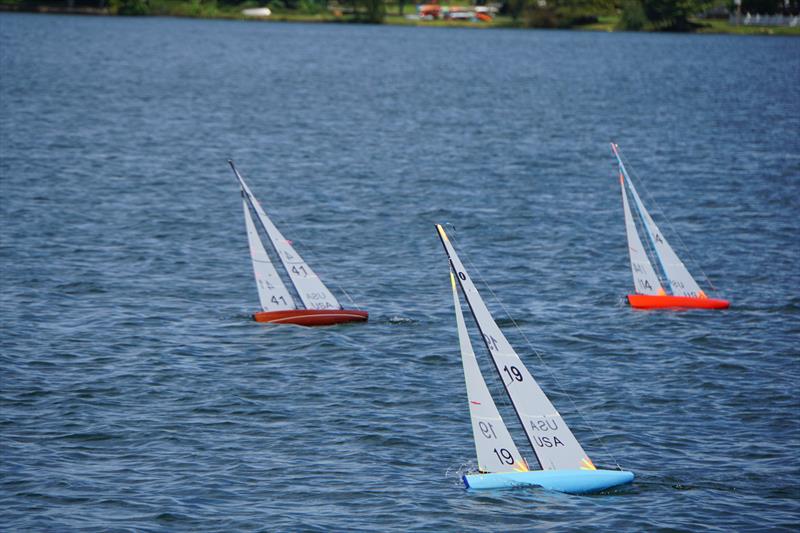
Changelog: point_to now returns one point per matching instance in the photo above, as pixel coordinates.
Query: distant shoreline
(604, 24)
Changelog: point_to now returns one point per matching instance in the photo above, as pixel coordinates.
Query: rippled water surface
(138, 394)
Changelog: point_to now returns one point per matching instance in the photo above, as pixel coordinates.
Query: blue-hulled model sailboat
(565, 467)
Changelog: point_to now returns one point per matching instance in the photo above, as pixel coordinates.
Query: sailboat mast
(680, 281)
(311, 290)
(458, 269)
(554, 445)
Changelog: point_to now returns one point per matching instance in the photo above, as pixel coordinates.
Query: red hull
(311, 317)
(649, 301)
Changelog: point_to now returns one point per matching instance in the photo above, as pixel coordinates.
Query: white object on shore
(257, 12)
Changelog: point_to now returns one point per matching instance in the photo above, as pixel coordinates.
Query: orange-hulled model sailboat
(650, 294)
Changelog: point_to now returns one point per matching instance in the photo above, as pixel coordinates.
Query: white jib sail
(645, 280)
(313, 293)
(555, 446)
(681, 283)
(494, 446)
(271, 291)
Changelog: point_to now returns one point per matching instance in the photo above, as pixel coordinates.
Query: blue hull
(571, 481)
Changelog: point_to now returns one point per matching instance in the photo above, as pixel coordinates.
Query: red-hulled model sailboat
(321, 308)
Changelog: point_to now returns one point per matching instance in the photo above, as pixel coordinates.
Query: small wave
(401, 320)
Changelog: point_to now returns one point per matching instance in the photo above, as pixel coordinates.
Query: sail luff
(272, 293)
(494, 446)
(681, 282)
(645, 279)
(554, 445)
(312, 291)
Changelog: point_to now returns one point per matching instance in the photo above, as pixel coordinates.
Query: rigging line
(541, 360)
(651, 199)
(316, 268)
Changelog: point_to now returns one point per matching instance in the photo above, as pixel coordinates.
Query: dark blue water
(137, 394)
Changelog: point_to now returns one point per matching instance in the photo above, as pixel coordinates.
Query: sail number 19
(487, 429)
(504, 456)
(513, 372)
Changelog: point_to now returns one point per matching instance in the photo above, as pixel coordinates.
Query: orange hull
(649, 301)
(311, 317)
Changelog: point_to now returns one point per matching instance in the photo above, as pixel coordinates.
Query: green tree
(565, 13)
(673, 15)
(129, 7)
(372, 11)
(632, 17)
(516, 8)
(768, 6)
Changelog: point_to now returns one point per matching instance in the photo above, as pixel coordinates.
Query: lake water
(137, 393)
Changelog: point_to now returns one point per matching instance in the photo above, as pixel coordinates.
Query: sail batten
(494, 446)
(554, 445)
(313, 293)
(681, 282)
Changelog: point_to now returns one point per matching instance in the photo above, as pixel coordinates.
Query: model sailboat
(565, 467)
(321, 308)
(650, 293)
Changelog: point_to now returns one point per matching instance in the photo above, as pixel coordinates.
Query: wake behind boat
(565, 467)
(321, 308)
(650, 293)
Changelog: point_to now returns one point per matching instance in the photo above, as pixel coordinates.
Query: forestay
(313, 293)
(555, 446)
(271, 291)
(680, 281)
(645, 279)
(494, 446)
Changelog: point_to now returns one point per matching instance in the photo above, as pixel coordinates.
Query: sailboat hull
(651, 301)
(311, 317)
(569, 481)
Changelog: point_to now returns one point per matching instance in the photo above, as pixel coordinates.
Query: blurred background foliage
(630, 15)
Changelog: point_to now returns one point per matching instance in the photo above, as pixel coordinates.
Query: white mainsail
(494, 446)
(555, 446)
(645, 279)
(271, 291)
(681, 283)
(313, 293)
